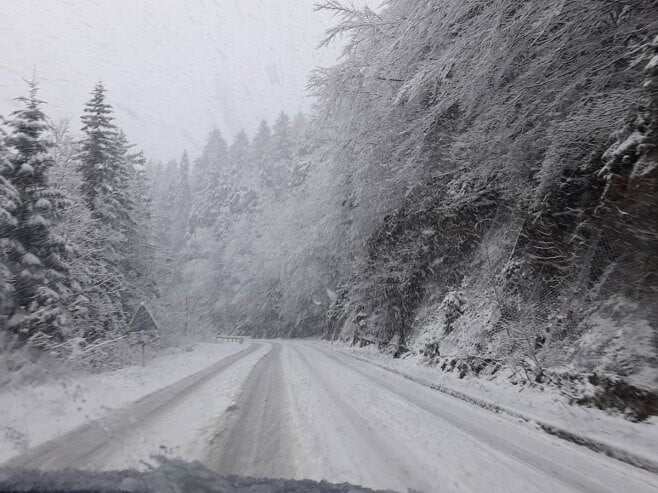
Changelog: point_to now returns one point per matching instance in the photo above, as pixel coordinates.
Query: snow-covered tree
(36, 253)
(239, 154)
(98, 150)
(113, 184)
(96, 308)
(299, 127)
(210, 191)
(277, 168)
(243, 177)
(261, 147)
(141, 254)
(181, 203)
(634, 151)
(282, 138)
(9, 201)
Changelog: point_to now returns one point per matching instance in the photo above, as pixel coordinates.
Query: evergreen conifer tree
(277, 171)
(239, 155)
(98, 148)
(9, 201)
(261, 146)
(282, 139)
(210, 180)
(243, 176)
(36, 254)
(113, 184)
(182, 204)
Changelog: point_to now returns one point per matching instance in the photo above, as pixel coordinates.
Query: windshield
(285, 245)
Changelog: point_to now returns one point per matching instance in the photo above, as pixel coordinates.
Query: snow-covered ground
(547, 405)
(367, 426)
(185, 429)
(310, 410)
(32, 415)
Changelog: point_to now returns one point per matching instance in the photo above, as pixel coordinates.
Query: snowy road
(302, 410)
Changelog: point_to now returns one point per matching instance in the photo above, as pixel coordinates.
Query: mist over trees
(477, 181)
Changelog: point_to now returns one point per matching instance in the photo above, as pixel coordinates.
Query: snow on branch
(352, 19)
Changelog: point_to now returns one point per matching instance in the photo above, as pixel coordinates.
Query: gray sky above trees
(173, 68)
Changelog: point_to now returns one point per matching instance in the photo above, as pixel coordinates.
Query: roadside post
(143, 324)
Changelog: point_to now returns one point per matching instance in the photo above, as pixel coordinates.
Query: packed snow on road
(296, 410)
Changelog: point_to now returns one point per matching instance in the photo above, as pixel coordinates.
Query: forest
(477, 183)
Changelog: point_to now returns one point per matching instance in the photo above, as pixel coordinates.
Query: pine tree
(9, 201)
(140, 246)
(120, 201)
(243, 177)
(182, 204)
(98, 149)
(261, 146)
(114, 189)
(107, 170)
(282, 139)
(302, 148)
(176, 204)
(96, 308)
(239, 154)
(210, 187)
(36, 254)
(277, 172)
(298, 133)
(169, 189)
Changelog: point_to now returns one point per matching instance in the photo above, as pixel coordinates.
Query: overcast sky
(173, 68)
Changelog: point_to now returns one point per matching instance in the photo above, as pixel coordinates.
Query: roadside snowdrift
(34, 414)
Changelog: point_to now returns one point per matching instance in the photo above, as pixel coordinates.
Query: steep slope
(499, 165)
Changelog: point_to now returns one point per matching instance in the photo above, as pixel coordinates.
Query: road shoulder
(632, 443)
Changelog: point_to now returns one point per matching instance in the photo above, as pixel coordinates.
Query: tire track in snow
(75, 448)
(372, 456)
(400, 445)
(256, 439)
(579, 469)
